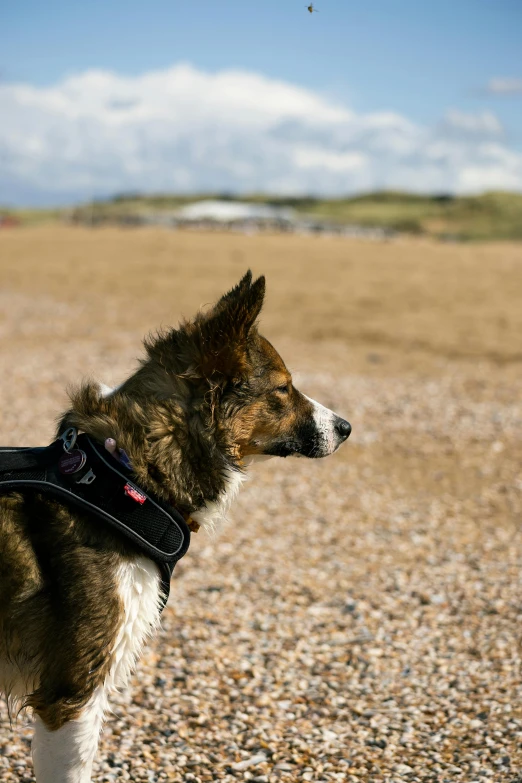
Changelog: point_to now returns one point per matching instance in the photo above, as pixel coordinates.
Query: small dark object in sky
(311, 8)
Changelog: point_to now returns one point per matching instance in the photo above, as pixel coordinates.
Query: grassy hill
(495, 215)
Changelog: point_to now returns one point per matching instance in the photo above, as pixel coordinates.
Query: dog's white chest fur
(139, 587)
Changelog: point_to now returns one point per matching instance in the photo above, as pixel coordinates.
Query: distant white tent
(233, 211)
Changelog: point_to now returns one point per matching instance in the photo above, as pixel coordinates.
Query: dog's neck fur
(182, 457)
(215, 513)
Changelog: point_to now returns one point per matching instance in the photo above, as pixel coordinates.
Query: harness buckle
(88, 478)
(69, 438)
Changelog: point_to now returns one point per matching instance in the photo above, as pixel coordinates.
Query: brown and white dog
(76, 600)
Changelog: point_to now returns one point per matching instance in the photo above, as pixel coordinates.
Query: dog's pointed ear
(236, 312)
(225, 329)
(239, 289)
(215, 344)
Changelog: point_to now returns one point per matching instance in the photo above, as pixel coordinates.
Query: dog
(78, 600)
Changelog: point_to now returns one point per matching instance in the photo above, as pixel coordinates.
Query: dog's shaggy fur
(76, 600)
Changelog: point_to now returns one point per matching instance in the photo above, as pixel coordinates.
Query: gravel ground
(358, 619)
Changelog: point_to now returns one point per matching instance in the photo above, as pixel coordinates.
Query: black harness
(79, 471)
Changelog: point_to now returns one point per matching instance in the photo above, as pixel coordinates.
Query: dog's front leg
(66, 755)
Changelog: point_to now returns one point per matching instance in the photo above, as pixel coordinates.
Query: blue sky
(432, 64)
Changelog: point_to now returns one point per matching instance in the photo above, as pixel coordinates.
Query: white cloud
(505, 86)
(181, 129)
(313, 158)
(483, 123)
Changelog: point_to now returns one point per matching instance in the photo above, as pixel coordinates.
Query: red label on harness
(135, 494)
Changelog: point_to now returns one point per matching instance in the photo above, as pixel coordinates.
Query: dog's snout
(343, 428)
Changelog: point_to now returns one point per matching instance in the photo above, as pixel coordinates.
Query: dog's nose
(343, 428)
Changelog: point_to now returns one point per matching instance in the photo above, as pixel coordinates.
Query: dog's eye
(283, 389)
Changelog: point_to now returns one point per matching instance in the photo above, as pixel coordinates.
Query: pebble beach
(357, 618)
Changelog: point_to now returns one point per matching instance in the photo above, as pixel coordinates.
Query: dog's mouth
(285, 448)
(313, 447)
(311, 440)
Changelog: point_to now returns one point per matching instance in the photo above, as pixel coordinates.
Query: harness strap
(26, 458)
(102, 487)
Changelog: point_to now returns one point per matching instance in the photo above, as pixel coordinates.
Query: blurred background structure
(359, 618)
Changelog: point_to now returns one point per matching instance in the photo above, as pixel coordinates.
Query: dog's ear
(225, 330)
(237, 311)
(235, 292)
(214, 346)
